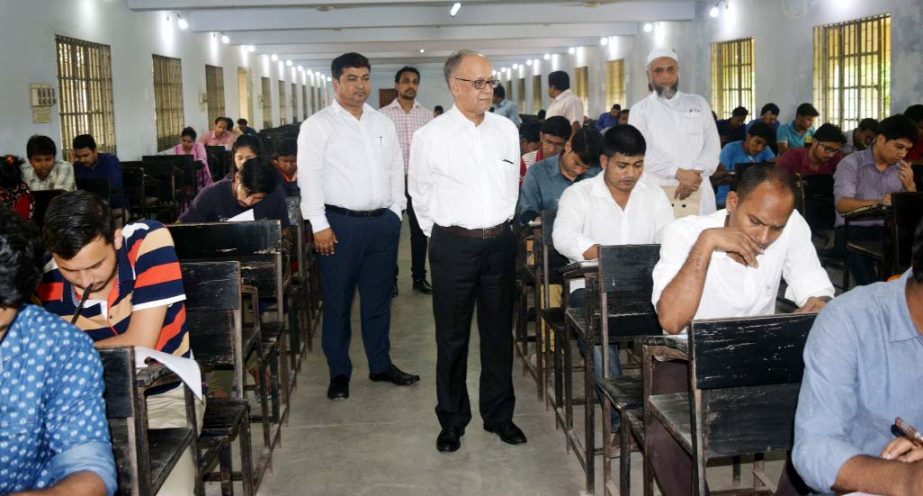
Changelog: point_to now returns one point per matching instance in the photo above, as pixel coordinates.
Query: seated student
(188, 146)
(623, 116)
(608, 119)
(915, 113)
(554, 133)
(820, 157)
(751, 150)
(769, 114)
(530, 139)
(730, 264)
(861, 137)
(253, 187)
(546, 180)
(798, 133)
(868, 178)
(862, 370)
(285, 160)
(243, 127)
(130, 280)
(733, 129)
(245, 147)
(90, 164)
(220, 135)
(52, 438)
(43, 172)
(14, 194)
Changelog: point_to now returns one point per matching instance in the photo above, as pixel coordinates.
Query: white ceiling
(311, 33)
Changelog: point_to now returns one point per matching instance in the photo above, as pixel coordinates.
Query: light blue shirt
(543, 186)
(509, 110)
(732, 154)
(787, 134)
(863, 367)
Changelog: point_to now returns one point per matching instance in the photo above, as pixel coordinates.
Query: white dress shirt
(351, 163)
(462, 174)
(680, 134)
(568, 105)
(734, 290)
(407, 123)
(588, 215)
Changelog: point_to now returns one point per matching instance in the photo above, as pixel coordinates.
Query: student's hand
(814, 304)
(735, 243)
(903, 450)
(325, 241)
(689, 179)
(906, 175)
(886, 200)
(591, 253)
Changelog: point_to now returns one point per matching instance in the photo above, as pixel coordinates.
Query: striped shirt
(857, 177)
(148, 276)
(407, 123)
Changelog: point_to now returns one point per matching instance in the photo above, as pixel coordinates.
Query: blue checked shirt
(52, 414)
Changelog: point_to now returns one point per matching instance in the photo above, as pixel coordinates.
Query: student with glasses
(554, 133)
(820, 158)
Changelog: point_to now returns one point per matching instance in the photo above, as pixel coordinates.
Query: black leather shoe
(508, 432)
(395, 376)
(339, 388)
(449, 439)
(421, 286)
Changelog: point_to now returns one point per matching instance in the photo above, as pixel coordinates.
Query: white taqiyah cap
(662, 52)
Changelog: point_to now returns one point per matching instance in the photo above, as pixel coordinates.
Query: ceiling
(422, 33)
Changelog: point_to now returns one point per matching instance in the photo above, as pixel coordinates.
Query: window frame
(85, 92)
(168, 100)
(733, 72)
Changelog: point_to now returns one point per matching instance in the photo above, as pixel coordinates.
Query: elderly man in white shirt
(730, 264)
(683, 142)
(463, 178)
(565, 103)
(351, 178)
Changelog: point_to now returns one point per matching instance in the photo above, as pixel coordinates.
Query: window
(168, 100)
(581, 86)
(214, 91)
(732, 76)
(852, 70)
(85, 86)
(294, 95)
(521, 94)
(615, 83)
(536, 93)
(304, 100)
(266, 99)
(282, 119)
(508, 85)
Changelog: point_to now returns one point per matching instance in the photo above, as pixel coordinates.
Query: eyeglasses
(479, 84)
(828, 148)
(552, 143)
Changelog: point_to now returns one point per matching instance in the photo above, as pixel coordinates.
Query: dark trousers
(466, 271)
(860, 266)
(673, 465)
(365, 256)
(418, 244)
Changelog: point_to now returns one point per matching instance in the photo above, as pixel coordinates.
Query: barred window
(85, 88)
(521, 94)
(732, 72)
(168, 100)
(282, 112)
(852, 70)
(266, 99)
(536, 93)
(214, 92)
(615, 83)
(294, 95)
(581, 86)
(304, 100)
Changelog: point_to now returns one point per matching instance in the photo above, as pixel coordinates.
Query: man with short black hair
(243, 127)
(769, 114)
(285, 160)
(915, 113)
(861, 137)
(609, 119)
(564, 102)
(437, 111)
(799, 132)
(255, 186)
(623, 116)
(554, 134)
(352, 191)
(821, 158)
(90, 164)
(733, 129)
(505, 107)
(530, 138)
(44, 172)
(751, 150)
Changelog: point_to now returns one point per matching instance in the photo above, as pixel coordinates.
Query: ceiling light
(225, 39)
(274, 57)
(713, 12)
(529, 62)
(288, 63)
(251, 48)
(422, 50)
(300, 68)
(648, 27)
(571, 50)
(515, 67)
(329, 79)
(547, 56)
(604, 41)
(455, 8)
(182, 23)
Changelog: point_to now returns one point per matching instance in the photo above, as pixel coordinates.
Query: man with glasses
(463, 179)
(821, 158)
(555, 132)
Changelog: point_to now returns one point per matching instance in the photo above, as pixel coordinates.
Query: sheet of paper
(244, 216)
(186, 368)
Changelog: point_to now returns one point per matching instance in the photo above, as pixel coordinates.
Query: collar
(563, 94)
(339, 109)
(397, 104)
(599, 188)
(894, 296)
(459, 118)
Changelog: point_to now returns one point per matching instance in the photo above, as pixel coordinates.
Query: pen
(909, 431)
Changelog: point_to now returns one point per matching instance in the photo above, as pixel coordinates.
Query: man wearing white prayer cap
(682, 139)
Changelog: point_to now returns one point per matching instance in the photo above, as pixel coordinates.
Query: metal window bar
(85, 89)
(304, 100)
(282, 112)
(294, 96)
(266, 98)
(536, 93)
(615, 83)
(521, 94)
(581, 88)
(168, 100)
(733, 71)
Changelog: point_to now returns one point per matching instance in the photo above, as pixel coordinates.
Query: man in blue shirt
(90, 164)
(609, 119)
(863, 368)
(504, 107)
(800, 131)
(751, 150)
(733, 129)
(53, 430)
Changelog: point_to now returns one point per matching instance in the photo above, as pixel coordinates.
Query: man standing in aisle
(565, 103)
(350, 177)
(463, 179)
(683, 146)
(408, 116)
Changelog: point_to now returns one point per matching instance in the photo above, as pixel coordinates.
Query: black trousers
(418, 244)
(468, 271)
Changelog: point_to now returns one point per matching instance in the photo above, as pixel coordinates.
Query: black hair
(73, 220)
(915, 112)
(219, 119)
(557, 126)
(258, 177)
(868, 125)
(406, 68)
(615, 105)
(351, 59)
(530, 132)
(624, 139)
(438, 108)
(806, 110)
(84, 141)
(771, 108)
(246, 141)
(540, 115)
(188, 131)
(40, 145)
(288, 146)
(499, 91)
(229, 123)
(21, 259)
(587, 144)
(242, 121)
(756, 175)
(916, 262)
(829, 132)
(10, 171)
(624, 111)
(560, 80)
(740, 112)
(762, 130)
(898, 127)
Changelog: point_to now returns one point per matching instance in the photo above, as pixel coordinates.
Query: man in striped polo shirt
(136, 295)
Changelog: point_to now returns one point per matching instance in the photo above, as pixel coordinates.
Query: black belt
(487, 233)
(356, 213)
